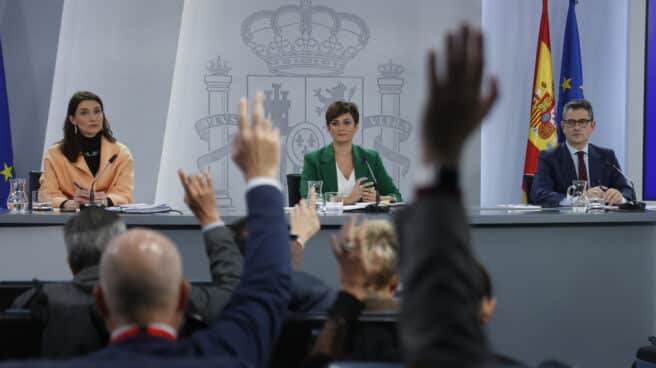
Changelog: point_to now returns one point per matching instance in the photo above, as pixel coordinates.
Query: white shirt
(345, 185)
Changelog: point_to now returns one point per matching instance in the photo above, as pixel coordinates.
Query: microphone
(373, 178)
(633, 205)
(92, 193)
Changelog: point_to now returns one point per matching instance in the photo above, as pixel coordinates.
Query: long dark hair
(70, 145)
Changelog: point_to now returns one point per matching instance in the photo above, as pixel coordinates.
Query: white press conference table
(579, 287)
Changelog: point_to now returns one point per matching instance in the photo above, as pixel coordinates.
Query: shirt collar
(153, 329)
(572, 150)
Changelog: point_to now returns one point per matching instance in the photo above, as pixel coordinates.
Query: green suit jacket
(320, 165)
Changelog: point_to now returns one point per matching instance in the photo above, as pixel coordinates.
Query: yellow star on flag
(567, 84)
(6, 172)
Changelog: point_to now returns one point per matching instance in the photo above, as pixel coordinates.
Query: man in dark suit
(577, 159)
(142, 296)
(71, 324)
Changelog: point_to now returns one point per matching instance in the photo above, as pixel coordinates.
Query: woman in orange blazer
(71, 165)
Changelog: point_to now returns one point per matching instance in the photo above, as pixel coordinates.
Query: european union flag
(6, 152)
(571, 71)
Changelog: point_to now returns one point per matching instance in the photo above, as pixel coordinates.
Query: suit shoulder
(603, 150)
(120, 147)
(551, 152)
(371, 154)
(54, 149)
(314, 155)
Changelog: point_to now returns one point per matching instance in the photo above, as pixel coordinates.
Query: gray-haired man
(71, 323)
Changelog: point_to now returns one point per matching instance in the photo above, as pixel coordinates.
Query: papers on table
(362, 205)
(520, 207)
(142, 208)
(357, 206)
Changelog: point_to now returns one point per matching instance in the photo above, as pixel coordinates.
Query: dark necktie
(583, 171)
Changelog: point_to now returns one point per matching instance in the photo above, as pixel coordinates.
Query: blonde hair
(382, 252)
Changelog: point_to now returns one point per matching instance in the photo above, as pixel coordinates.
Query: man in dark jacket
(71, 324)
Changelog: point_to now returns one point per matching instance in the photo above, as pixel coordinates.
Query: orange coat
(59, 175)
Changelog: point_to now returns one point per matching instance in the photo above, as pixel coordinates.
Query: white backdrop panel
(124, 51)
(217, 62)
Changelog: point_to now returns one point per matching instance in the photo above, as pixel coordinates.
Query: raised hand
(256, 147)
(455, 107)
(199, 196)
(303, 219)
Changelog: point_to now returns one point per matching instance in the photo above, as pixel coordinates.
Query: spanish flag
(542, 132)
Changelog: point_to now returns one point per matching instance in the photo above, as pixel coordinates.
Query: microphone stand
(376, 207)
(92, 194)
(632, 205)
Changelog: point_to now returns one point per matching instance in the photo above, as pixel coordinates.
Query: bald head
(141, 277)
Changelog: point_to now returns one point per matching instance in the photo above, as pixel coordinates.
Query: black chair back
(9, 290)
(20, 335)
(293, 189)
(373, 337)
(528, 184)
(33, 184)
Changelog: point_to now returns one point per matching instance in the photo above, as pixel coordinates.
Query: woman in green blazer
(342, 165)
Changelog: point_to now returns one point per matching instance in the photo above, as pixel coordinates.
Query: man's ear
(70, 266)
(184, 295)
(487, 308)
(99, 298)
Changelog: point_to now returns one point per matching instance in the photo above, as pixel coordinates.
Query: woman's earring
(75, 129)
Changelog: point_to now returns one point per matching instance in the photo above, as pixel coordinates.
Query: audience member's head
(141, 281)
(87, 234)
(488, 301)
(382, 254)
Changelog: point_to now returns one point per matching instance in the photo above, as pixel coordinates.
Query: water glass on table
(41, 202)
(596, 202)
(334, 204)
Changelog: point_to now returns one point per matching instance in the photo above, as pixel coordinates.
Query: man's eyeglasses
(581, 123)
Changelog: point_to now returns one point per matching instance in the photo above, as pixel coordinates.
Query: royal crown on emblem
(390, 70)
(305, 39)
(218, 67)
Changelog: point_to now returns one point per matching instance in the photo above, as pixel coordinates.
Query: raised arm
(225, 260)
(252, 319)
(439, 319)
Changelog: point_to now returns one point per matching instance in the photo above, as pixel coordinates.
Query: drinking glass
(596, 203)
(334, 204)
(40, 202)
